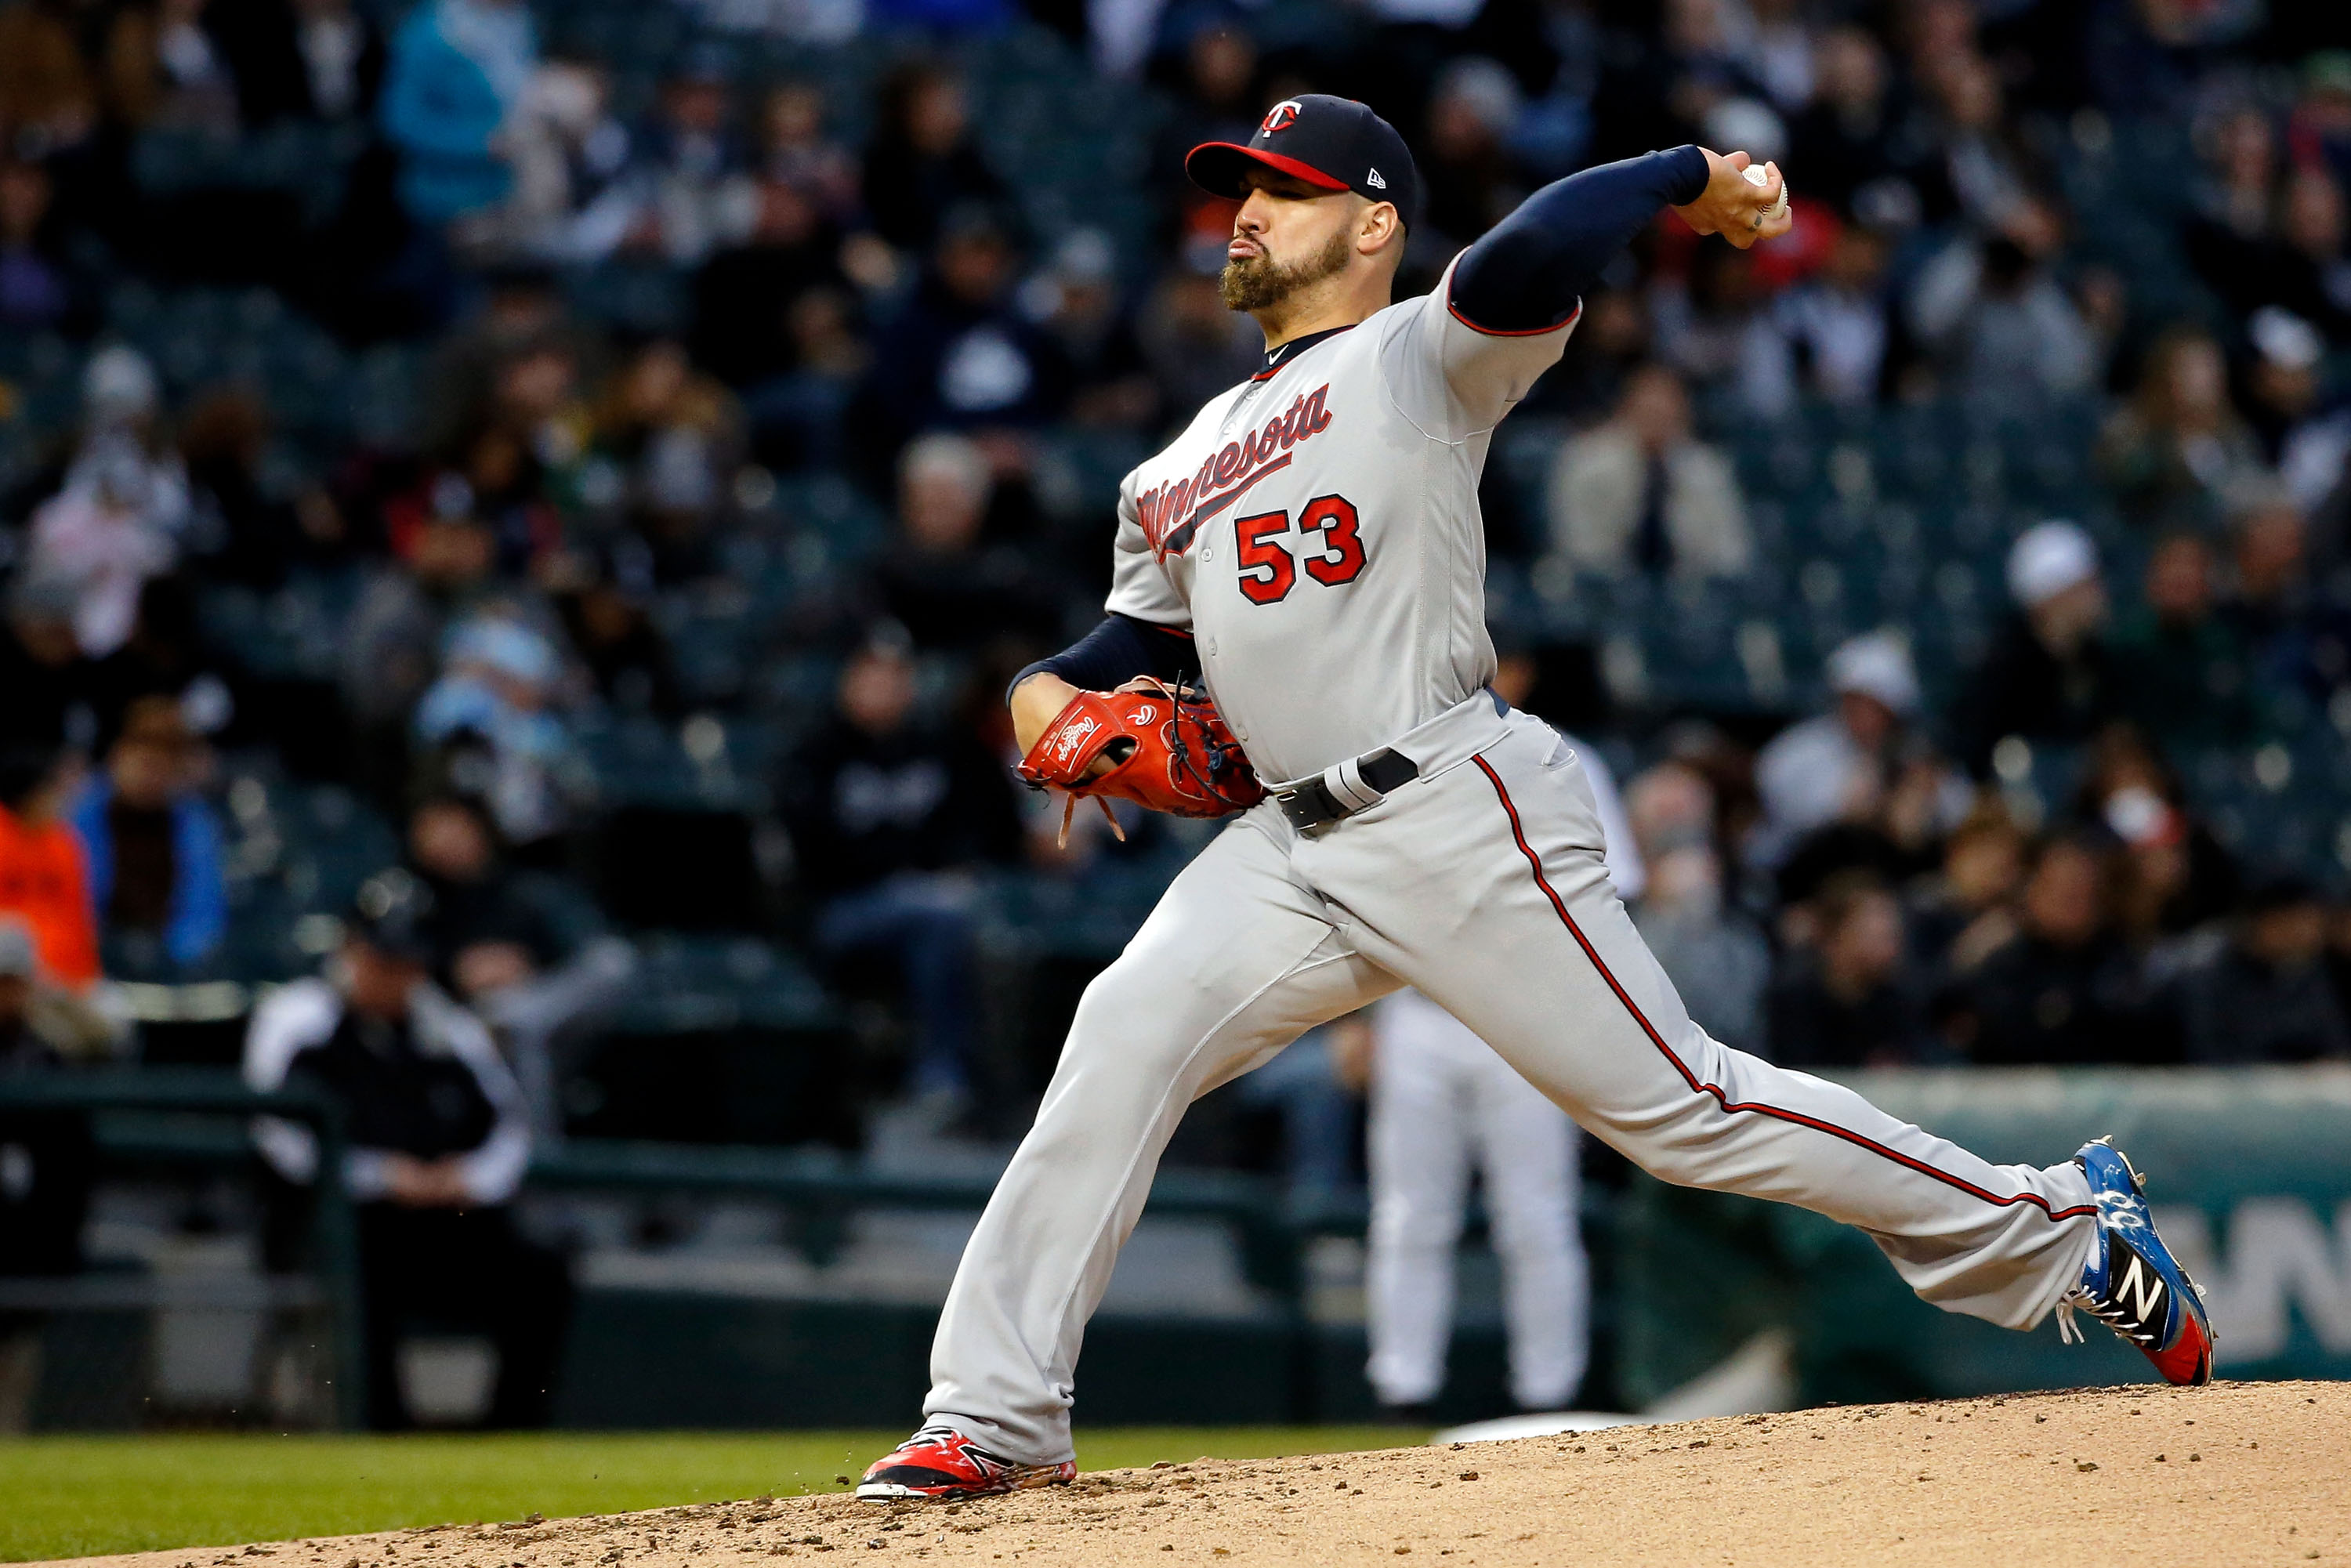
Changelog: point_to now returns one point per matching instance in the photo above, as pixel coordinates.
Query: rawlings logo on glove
(1067, 738)
(1168, 749)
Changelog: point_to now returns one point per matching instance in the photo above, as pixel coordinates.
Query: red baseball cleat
(942, 1463)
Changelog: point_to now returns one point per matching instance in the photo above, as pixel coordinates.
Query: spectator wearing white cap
(2284, 378)
(495, 716)
(120, 401)
(2047, 677)
(95, 537)
(119, 515)
(2311, 442)
(1840, 766)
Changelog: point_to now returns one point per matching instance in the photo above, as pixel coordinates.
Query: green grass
(74, 1497)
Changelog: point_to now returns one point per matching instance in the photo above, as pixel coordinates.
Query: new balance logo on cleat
(2140, 1291)
(2131, 1282)
(2131, 1307)
(943, 1465)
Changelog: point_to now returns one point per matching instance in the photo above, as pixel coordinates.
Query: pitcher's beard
(1261, 283)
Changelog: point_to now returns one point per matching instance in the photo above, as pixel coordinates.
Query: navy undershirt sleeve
(1530, 270)
(1117, 651)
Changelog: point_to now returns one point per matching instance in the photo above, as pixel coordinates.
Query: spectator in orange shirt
(44, 880)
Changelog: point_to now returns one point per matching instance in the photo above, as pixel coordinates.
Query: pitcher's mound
(2238, 1473)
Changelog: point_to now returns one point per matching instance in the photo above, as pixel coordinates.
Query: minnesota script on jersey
(1317, 529)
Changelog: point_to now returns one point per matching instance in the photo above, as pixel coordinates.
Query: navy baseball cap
(1332, 144)
(392, 913)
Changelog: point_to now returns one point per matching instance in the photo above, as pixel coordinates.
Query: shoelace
(2107, 1313)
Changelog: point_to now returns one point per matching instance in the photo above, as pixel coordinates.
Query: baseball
(1756, 175)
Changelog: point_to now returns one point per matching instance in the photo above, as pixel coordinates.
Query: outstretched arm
(1457, 365)
(1530, 272)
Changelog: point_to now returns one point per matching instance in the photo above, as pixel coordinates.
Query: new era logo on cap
(1330, 143)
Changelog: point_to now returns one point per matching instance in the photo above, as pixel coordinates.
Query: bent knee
(1134, 1053)
(1163, 1020)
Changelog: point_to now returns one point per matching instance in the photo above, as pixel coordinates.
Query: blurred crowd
(873, 417)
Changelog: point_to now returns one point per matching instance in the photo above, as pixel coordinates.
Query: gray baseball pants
(1480, 882)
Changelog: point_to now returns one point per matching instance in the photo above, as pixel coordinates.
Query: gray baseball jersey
(1317, 529)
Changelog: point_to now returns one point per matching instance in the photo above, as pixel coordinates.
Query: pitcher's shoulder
(1381, 327)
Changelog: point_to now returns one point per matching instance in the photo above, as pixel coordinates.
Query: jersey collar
(1276, 358)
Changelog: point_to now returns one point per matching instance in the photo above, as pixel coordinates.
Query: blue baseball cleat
(2132, 1283)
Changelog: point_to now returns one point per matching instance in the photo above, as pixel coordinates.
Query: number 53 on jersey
(1330, 547)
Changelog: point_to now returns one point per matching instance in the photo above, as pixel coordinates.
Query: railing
(824, 1187)
(195, 1118)
(2252, 1167)
(172, 1117)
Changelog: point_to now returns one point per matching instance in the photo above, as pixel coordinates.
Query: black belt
(1315, 802)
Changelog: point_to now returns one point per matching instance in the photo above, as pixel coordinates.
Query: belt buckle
(1314, 803)
(1310, 805)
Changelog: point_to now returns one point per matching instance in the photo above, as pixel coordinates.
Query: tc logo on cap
(1281, 117)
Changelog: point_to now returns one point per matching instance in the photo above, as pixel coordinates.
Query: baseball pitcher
(1297, 634)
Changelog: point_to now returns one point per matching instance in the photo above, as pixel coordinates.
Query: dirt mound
(2238, 1473)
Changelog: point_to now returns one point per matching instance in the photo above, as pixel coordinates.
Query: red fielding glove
(1169, 750)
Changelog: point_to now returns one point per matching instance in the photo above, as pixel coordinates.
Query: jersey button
(1212, 647)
